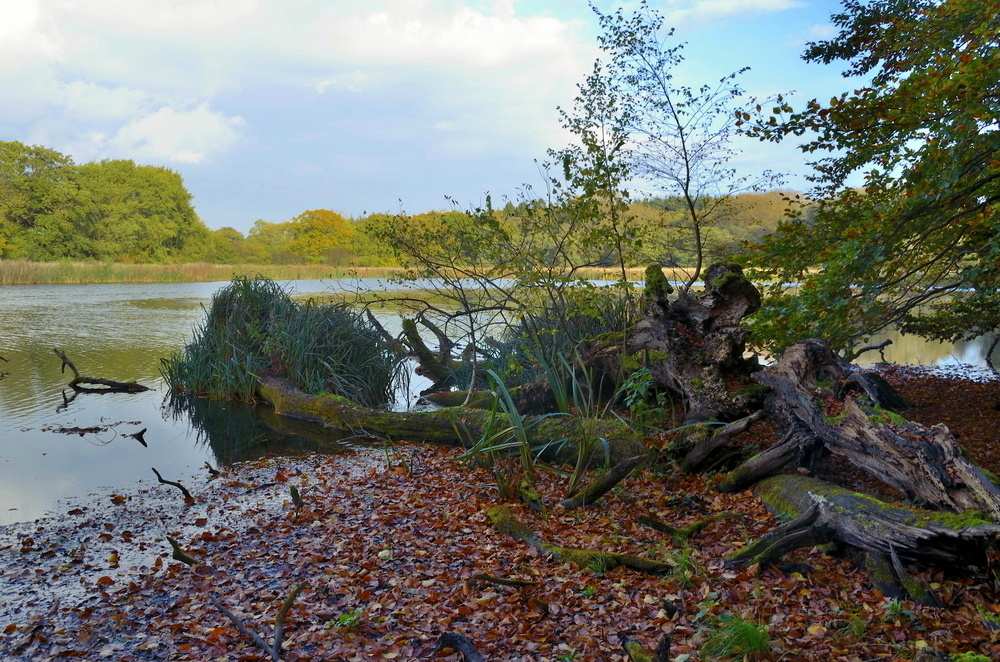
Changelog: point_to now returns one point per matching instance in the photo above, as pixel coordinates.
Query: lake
(54, 446)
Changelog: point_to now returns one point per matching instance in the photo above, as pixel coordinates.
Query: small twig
(184, 491)
(879, 347)
(273, 649)
(4, 360)
(66, 362)
(243, 629)
(213, 472)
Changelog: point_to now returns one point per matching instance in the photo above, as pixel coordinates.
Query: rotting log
(821, 511)
(503, 520)
(710, 439)
(922, 463)
(83, 384)
(699, 343)
(450, 427)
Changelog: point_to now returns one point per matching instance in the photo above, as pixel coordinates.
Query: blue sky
(268, 108)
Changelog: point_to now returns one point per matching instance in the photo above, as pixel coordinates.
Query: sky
(268, 108)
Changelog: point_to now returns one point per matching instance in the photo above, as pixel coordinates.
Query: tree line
(117, 210)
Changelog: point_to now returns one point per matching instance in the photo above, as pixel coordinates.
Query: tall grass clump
(254, 328)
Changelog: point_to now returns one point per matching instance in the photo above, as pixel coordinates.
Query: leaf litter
(393, 554)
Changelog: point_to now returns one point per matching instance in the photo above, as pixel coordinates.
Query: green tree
(680, 136)
(918, 243)
(271, 241)
(320, 236)
(132, 213)
(35, 188)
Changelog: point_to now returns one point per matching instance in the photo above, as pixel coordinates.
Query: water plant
(254, 328)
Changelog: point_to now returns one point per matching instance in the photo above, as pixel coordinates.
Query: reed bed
(24, 272)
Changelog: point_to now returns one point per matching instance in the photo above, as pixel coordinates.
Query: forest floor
(389, 544)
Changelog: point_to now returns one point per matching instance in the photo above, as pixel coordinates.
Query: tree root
(599, 561)
(604, 484)
(490, 579)
(460, 643)
(687, 531)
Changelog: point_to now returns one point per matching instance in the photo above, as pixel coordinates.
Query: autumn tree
(917, 244)
(320, 236)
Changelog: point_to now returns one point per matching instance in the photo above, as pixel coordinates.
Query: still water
(55, 447)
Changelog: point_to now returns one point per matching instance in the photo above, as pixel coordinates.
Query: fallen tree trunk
(823, 511)
(922, 463)
(698, 342)
(451, 427)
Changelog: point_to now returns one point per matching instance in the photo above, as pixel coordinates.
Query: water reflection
(237, 431)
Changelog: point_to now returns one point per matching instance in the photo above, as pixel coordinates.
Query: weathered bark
(447, 427)
(921, 463)
(714, 438)
(824, 511)
(697, 343)
(83, 384)
(504, 521)
(604, 484)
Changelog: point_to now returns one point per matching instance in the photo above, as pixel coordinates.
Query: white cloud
(179, 136)
(92, 101)
(703, 11)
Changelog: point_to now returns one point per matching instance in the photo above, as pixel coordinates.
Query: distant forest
(117, 211)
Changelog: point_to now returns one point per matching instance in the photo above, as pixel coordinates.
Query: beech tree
(917, 244)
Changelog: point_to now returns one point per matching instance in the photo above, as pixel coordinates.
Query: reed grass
(253, 328)
(24, 272)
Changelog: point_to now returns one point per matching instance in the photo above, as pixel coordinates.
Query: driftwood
(84, 384)
(163, 481)
(504, 521)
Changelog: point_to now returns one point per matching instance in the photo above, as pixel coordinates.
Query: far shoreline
(26, 272)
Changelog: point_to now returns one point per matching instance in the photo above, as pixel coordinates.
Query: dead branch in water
(184, 491)
(82, 383)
